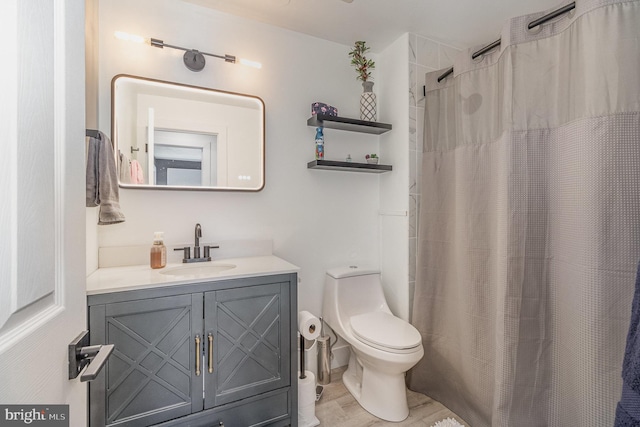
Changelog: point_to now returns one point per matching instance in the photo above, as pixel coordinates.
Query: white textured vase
(368, 108)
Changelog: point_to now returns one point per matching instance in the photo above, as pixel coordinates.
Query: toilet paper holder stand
(319, 388)
(302, 365)
(312, 329)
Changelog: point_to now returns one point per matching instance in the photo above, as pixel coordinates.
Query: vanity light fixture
(193, 58)
(129, 37)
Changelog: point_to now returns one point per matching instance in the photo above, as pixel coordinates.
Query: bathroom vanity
(212, 345)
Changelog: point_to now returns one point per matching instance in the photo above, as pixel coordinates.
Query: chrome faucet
(196, 249)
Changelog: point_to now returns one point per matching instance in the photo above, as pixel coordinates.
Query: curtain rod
(549, 16)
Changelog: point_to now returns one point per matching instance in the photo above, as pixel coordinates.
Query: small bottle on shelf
(319, 144)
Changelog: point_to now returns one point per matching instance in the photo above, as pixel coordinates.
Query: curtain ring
(535, 30)
(478, 59)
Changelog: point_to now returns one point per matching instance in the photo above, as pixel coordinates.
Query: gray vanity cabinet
(197, 354)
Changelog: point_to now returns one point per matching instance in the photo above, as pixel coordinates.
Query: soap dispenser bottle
(158, 257)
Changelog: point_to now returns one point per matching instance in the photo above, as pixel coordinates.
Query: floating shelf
(348, 166)
(344, 123)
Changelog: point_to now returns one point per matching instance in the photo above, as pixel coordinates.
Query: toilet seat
(385, 332)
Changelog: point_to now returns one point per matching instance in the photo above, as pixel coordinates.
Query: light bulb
(129, 37)
(249, 63)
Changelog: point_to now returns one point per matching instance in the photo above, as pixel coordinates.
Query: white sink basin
(198, 270)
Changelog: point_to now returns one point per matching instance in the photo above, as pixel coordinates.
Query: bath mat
(447, 422)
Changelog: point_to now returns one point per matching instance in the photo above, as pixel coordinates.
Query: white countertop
(117, 279)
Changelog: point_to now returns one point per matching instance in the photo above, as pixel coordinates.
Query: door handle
(98, 355)
(210, 337)
(198, 355)
(82, 355)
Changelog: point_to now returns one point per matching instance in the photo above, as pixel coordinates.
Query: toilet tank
(351, 291)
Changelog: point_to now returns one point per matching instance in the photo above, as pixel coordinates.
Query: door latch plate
(77, 365)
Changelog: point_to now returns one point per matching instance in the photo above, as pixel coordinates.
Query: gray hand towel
(102, 180)
(92, 173)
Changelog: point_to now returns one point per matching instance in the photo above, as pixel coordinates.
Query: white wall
(317, 219)
(402, 67)
(394, 70)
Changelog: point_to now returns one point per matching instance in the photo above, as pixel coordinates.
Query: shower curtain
(529, 222)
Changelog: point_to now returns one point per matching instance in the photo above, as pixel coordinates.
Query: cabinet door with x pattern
(248, 342)
(151, 375)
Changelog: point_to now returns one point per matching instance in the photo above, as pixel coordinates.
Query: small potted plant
(372, 158)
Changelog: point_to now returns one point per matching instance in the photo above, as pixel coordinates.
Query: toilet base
(381, 394)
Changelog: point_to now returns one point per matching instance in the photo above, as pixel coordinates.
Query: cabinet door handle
(198, 355)
(210, 353)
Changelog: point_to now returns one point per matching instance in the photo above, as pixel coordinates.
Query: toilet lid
(385, 330)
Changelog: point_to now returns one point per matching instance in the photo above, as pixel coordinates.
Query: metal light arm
(193, 58)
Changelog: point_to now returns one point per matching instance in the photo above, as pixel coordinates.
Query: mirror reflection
(173, 136)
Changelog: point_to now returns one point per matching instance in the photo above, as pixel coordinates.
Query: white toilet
(383, 347)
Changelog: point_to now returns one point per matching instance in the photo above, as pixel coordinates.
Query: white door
(42, 214)
(171, 144)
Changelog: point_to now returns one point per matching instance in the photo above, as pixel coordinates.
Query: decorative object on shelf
(322, 108)
(319, 144)
(368, 108)
(348, 159)
(372, 159)
(360, 62)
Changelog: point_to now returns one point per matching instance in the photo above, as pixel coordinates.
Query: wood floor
(338, 408)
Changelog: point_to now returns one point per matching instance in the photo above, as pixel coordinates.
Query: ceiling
(460, 23)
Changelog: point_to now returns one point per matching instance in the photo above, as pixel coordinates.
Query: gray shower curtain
(529, 222)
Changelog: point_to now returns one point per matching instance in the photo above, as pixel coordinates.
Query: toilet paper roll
(308, 325)
(307, 401)
(306, 389)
